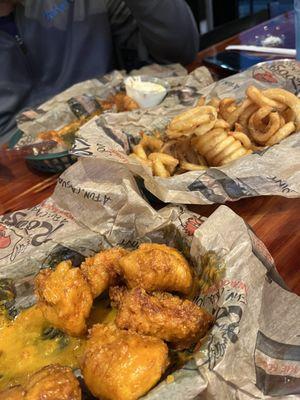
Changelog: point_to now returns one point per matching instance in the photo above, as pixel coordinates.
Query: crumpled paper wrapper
(253, 349)
(272, 171)
(80, 99)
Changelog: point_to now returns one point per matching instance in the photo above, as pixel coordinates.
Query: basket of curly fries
(106, 298)
(240, 139)
(215, 133)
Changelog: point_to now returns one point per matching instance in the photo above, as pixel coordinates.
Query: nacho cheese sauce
(24, 349)
(146, 86)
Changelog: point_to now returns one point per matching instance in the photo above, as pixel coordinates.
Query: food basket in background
(270, 170)
(59, 118)
(50, 162)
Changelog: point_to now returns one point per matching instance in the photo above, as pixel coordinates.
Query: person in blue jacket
(48, 45)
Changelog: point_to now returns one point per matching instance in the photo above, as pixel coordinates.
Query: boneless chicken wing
(122, 365)
(64, 297)
(53, 382)
(162, 315)
(157, 267)
(102, 270)
(15, 393)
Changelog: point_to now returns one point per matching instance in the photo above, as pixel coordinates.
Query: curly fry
(226, 107)
(262, 99)
(246, 142)
(151, 142)
(175, 134)
(219, 148)
(238, 127)
(186, 166)
(192, 118)
(214, 102)
(163, 164)
(288, 115)
(140, 152)
(286, 98)
(201, 102)
(260, 132)
(282, 133)
(235, 115)
(221, 123)
(244, 117)
(282, 121)
(147, 162)
(200, 130)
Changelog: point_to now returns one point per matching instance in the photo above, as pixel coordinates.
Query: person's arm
(167, 28)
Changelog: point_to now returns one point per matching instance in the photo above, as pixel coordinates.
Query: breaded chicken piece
(15, 393)
(102, 270)
(64, 297)
(162, 315)
(157, 267)
(53, 382)
(122, 365)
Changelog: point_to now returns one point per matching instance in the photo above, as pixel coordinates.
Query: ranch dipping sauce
(145, 86)
(146, 91)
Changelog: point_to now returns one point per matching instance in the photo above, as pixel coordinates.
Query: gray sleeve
(146, 31)
(167, 28)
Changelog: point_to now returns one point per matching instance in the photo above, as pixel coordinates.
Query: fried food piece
(124, 102)
(162, 315)
(186, 166)
(244, 117)
(102, 270)
(259, 97)
(243, 138)
(261, 132)
(185, 123)
(64, 297)
(226, 107)
(122, 365)
(235, 114)
(53, 382)
(157, 267)
(130, 104)
(182, 150)
(282, 133)
(14, 393)
(147, 145)
(163, 165)
(215, 102)
(201, 102)
(219, 147)
(286, 98)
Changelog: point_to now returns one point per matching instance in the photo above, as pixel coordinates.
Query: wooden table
(275, 220)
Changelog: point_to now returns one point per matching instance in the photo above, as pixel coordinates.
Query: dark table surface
(275, 220)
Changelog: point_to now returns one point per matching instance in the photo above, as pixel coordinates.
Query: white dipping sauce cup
(145, 98)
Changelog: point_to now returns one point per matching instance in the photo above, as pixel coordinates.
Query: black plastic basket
(50, 162)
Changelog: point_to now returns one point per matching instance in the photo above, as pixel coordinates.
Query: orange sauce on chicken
(24, 348)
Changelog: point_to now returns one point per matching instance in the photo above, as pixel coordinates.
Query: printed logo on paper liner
(277, 367)
(232, 294)
(8, 243)
(32, 229)
(81, 148)
(235, 189)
